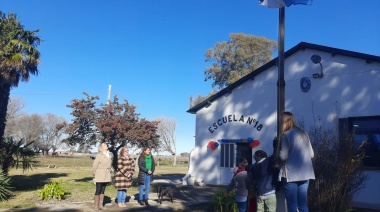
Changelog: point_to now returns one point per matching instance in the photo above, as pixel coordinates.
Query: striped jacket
(125, 167)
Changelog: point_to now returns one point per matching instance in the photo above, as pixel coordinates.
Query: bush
(53, 189)
(16, 154)
(5, 189)
(338, 171)
(222, 203)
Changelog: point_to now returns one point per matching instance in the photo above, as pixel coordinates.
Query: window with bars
(227, 155)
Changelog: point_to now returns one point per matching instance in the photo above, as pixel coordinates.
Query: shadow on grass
(168, 176)
(32, 182)
(85, 179)
(40, 210)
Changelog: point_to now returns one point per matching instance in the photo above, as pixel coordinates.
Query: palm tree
(19, 58)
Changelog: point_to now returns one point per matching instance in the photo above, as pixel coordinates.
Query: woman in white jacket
(297, 168)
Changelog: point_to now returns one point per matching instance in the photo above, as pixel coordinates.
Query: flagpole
(281, 81)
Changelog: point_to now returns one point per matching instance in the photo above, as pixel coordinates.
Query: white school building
(322, 84)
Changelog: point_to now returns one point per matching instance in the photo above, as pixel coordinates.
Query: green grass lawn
(76, 177)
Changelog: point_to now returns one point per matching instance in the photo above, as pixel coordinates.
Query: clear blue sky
(152, 52)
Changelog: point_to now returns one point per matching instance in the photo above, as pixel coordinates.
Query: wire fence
(86, 160)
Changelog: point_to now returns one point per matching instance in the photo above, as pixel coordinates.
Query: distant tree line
(44, 132)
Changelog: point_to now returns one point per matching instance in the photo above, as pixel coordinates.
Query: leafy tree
(19, 58)
(237, 57)
(115, 123)
(166, 131)
(82, 130)
(200, 98)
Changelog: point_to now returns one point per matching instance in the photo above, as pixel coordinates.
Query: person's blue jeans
(121, 195)
(296, 195)
(145, 188)
(242, 206)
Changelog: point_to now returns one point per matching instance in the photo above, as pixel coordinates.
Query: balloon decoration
(249, 139)
(213, 145)
(254, 143)
(224, 141)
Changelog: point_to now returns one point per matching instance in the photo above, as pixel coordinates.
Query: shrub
(16, 154)
(338, 171)
(53, 189)
(224, 203)
(5, 189)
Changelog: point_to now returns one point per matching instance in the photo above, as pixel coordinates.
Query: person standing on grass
(101, 170)
(240, 182)
(123, 177)
(146, 169)
(297, 168)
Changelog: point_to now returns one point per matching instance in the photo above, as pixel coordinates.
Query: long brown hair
(288, 121)
(143, 154)
(122, 150)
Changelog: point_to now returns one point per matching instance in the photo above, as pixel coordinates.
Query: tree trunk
(175, 160)
(5, 89)
(115, 157)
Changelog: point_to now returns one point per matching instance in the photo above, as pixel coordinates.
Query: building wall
(350, 88)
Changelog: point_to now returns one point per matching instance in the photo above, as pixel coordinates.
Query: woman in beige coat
(101, 170)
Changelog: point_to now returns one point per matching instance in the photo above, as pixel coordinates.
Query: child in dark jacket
(264, 176)
(240, 182)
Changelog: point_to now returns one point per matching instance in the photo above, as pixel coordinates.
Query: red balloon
(213, 147)
(211, 144)
(254, 143)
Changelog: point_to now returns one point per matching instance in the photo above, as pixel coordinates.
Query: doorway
(243, 151)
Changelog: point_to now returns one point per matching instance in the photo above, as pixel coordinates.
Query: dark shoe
(146, 202)
(141, 203)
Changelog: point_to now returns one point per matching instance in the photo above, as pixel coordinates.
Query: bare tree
(54, 128)
(30, 129)
(45, 131)
(166, 130)
(338, 170)
(15, 110)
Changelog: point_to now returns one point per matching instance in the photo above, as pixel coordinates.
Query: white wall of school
(350, 87)
(256, 105)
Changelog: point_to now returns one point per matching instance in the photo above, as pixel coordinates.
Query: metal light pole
(281, 81)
